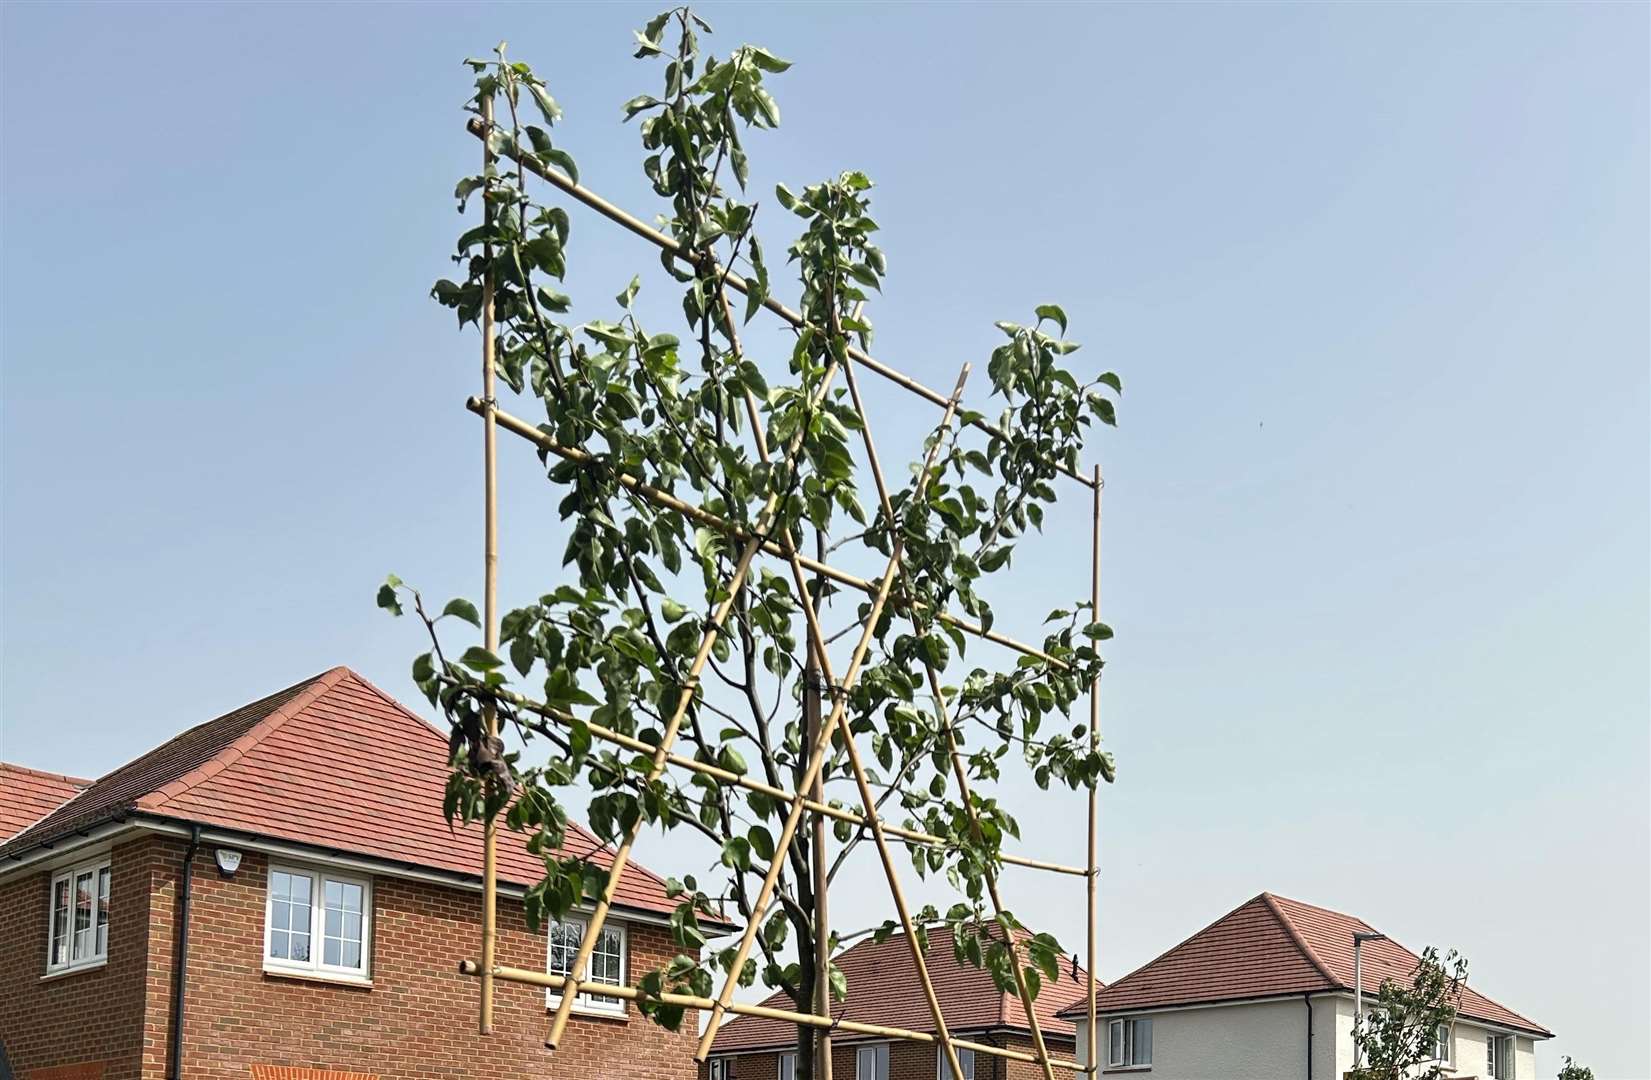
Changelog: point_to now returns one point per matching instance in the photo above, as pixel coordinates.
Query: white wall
(1268, 1041)
(1264, 1041)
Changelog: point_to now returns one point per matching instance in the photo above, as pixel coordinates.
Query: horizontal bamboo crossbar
(690, 1001)
(517, 426)
(653, 235)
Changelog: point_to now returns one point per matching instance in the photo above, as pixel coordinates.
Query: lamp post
(1358, 989)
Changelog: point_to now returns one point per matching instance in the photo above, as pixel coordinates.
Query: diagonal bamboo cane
(1091, 1042)
(822, 660)
(817, 759)
(943, 714)
(736, 583)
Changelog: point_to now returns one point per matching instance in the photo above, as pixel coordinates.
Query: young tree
(639, 422)
(1399, 1038)
(1573, 1071)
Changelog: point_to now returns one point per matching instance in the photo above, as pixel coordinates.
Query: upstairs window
(317, 922)
(607, 962)
(965, 1061)
(721, 1068)
(78, 936)
(788, 1066)
(872, 1062)
(1129, 1042)
(1499, 1057)
(1441, 1049)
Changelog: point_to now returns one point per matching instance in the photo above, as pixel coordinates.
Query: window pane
(788, 1067)
(60, 923)
(1143, 1042)
(103, 912)
(300, 947)
(341, 923)
(564, 945)
(278, 945)
(83, 916)
(1115, 1043)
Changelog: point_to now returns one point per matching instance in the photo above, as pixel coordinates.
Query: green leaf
(387, 598)
(548, 108)
(783, 193)
(673, 611)
(461, 608)
(1112, 380)
(479, 659)
(624, 298)
(1052, 311)
(765, 59)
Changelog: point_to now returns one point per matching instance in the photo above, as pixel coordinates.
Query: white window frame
(1126, 1057)
(720, 1068)
(1499, 1056)
(315, 966)
(1444, 1045)
(585, 1002)
(965, 1058)
(786, 1065)
(96, 958)
(879, 1061)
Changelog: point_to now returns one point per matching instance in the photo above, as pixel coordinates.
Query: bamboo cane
(517, 426)
(1092, 878)
(817, 759)
(724, 776)
(490, 598)
(641, 228)
(943, 714)
(529, 977)
(736, 583)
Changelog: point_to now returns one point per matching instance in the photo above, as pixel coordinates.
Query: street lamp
(1358, 988)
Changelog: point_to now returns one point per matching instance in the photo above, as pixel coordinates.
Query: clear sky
(1375, 278)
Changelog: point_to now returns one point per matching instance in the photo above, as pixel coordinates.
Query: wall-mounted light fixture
(229, 861)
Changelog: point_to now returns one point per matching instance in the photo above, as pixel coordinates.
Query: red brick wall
(417, 1021)
(80, 1025)
(912, 1060)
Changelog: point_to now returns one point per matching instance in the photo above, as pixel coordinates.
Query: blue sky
(1375, 278)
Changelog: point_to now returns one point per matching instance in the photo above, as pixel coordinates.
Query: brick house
(1266, 993)
(883, 989)
(291, 860)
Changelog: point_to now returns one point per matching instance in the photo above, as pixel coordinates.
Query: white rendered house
(1266, 992)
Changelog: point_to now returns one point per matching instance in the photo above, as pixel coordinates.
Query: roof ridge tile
(1300, 942)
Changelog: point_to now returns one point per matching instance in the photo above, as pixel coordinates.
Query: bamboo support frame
(666, 243)
(528, 977)
(817, 759)
(809, 796)
(517, 426)
(943, 715)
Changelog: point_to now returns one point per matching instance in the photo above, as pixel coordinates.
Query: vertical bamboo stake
(490, 593)
(1094, 743)
(943, 714)
(662, 753)
(817, 642)
(822, 922)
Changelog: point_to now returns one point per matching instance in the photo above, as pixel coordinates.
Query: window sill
(588, 1013)
(78, 969)
(359, 982)
(1126, 1069)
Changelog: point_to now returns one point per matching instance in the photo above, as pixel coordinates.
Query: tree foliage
(687, 412)
(1573, 1071)
(1399, 1036)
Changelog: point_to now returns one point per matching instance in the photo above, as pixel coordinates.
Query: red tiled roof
(331, 762)
(27, 795)
(883, 989)
(1272, 946)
